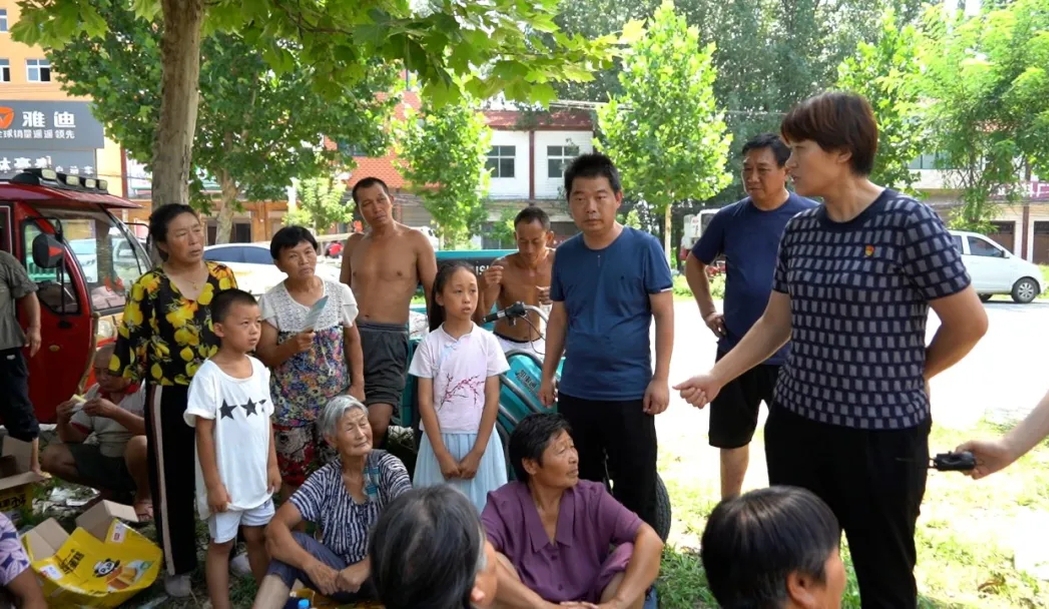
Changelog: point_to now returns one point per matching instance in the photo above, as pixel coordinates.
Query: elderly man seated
(429, 550)
(561, 539)
(776, 547)
(112, 409)
(344, 498)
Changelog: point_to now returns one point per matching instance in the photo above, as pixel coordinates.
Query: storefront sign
(32, 125)
(74, 162)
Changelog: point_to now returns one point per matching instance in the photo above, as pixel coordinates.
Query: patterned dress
(304, 383)
(164, 337)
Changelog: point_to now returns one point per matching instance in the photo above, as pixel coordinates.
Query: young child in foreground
(458, 366)
(230, 406)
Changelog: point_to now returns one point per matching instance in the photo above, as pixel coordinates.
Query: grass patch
(963, 539)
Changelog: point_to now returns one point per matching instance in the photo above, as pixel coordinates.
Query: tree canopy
(986, 95)
(441, 151)
(666, 131)
(258, 128)
(453, 46)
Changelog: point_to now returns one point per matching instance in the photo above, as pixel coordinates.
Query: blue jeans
(288, 574)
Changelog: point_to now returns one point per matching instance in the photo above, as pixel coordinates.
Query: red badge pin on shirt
(868, 251)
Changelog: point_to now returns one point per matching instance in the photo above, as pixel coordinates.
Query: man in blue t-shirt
(607, 286)
(747, 233)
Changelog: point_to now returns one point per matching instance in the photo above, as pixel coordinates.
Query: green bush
(717, 287)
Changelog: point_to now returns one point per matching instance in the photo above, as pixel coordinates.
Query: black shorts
(385, 350)
(101, 472)
(734, 412)
(16, 409)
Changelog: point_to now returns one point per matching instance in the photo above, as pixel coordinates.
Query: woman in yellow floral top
(165, 336)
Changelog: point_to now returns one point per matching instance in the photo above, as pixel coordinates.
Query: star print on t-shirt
(249, 408)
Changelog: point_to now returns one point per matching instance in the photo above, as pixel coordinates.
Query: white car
(253, 265)
(996, 271)
(430, 235)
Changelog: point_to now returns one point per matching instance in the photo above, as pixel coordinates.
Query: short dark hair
(532, 213)
(368, 183)
(160, 219)
(531, 437)
(836, 121)
(289, 237)
(436, 314)
(753, 542)
(592, 165)
(225, 300)
(771, 141)
(426, 550)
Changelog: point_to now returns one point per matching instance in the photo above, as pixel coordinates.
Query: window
(224, 254)
(257, 255)
(501, 161)
(351, 149)
(38, 70)
(957, 241)
(557, 158)
(980, 247)
(936, 160)
(3, 20)
(5, 70)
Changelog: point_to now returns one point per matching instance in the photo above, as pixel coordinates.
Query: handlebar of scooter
(515, 311)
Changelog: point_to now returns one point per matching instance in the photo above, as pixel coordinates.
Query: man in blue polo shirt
(608, 284)
(747, 233)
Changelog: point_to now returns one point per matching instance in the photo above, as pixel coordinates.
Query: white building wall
(546, 186)
(517, 186)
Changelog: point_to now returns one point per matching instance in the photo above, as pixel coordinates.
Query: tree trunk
(667, 236)
(180, 60)
(230, 191)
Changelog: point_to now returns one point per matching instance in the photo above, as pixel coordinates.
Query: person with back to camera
(310, 365)
(747, 233)
(428, 551)
(237, 475)
(562, 540)
(458, 366)
(853, 286)
(774, 548)
(164, 337)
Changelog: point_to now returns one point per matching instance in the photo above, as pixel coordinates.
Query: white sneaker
(240, 565)
(178, 586)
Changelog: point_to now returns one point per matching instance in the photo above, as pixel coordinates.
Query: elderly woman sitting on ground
(429, 550)
(344, 499)
(561, 539)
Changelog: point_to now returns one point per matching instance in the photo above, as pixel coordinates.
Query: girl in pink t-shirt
(458, 366)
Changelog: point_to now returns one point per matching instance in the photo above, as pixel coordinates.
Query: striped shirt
(859, 298)
(344, 523)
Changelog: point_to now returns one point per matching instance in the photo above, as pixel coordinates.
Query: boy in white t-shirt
(230, 406)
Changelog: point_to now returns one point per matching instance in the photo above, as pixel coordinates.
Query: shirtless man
(524, 277)
(384, 266)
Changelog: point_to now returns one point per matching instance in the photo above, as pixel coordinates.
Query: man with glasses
(112, 411)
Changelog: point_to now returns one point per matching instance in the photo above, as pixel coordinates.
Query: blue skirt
(491, 473)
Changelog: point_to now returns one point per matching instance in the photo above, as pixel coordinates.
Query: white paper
(315, 313)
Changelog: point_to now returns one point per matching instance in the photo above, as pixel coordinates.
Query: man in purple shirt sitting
(561, 539)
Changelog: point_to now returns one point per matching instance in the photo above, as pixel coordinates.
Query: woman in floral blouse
(310, 365)
(164, 337)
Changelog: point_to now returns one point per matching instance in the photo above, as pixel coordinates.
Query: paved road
(1001, 379)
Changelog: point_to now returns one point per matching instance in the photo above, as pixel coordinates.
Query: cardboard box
(103, 563)
(16, 479)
